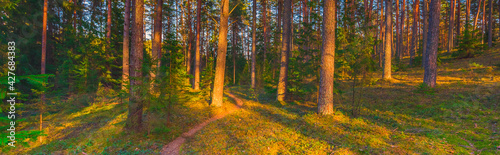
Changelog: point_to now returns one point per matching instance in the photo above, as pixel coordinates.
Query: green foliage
(468, 45)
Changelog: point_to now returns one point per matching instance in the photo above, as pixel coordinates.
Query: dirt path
(173, 147)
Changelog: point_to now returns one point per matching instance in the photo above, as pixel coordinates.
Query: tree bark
(325, 98)
(425, 29)
(221, 56)
(477, 14)
(189, 40)
(126, 44)
(401, 37)
(156, 42)
(44, 55)
(450, 25)
(254, 41)
(196, 84)
(430, 69)
(264, 25)
(457, 16)
(388, 40)
(414, 31)
(490, 24)
(134, 119)
(398, 32)
(285, 49)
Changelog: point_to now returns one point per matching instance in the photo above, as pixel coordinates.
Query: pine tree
(325, 98)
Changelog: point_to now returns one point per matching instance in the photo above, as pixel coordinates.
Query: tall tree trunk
(126, 44)
(388, 40)
(477, 14)
(44, 55)
(196, 84)
(450, 25)
(108, 24)
(221, 56)
(457, 16)
(425, 29)
(285, 49)
(189, 40)
(484, 22)
(414, 30)
(325, 98)
(430, 69)
(264, 25)
(398, 32)
(401, 43)
(254, 41)
(490, 24)
(156, 42)
(134, 120)
(382, 34)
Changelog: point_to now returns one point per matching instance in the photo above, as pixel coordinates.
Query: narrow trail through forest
(173, 148)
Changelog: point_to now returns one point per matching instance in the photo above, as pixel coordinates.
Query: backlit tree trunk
(388, 40)
(430, 69)
(450, 25)
(325, 98)
(156, 42)
(254, 14)
(264, 24)
(126, 44)
(398, 32)
(490, 24)
(44, 55)
(221, 56)
(196, 85)
(134, 119)
(285, 49)
(457, 16)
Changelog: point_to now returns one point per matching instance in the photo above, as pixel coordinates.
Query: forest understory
(401, 116)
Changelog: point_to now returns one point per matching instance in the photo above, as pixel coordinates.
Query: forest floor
(460, 116)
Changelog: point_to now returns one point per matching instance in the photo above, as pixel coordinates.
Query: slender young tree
(398, 32)
(388, 40)
(221, 55)
(264, 25)
(490, 24)
(285, 50)
(414, 31)
(450, 25)
(254, 16)
(134, 119)
(325, 98)
(44, 55)
(430, 69)
(477, 14)
(196, 85)
(457, 16)
(126, 44)
(189, 40)
(156, 42)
